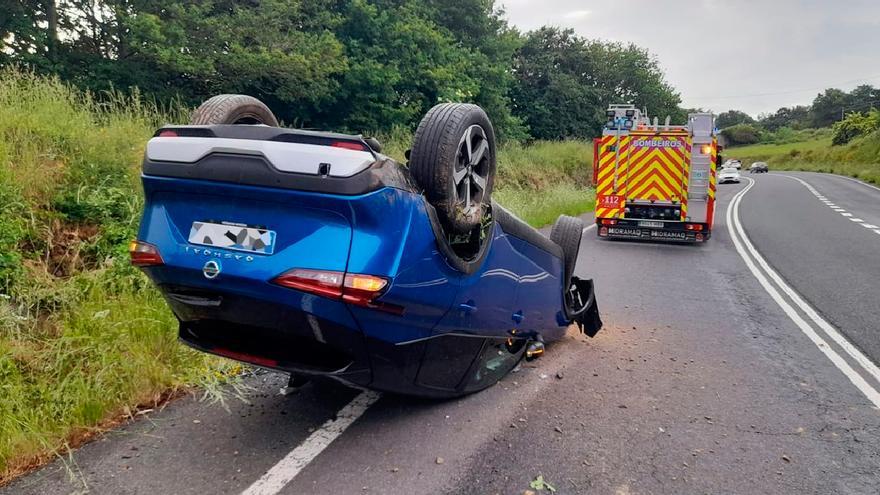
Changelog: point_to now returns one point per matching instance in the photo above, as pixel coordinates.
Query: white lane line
(877, 231)
(283, 473)
(588, 227)
(833, 206)
(747, 250)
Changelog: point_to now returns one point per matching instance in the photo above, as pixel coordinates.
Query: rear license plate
(665, 234)
(650, 224)
(233, 236)
(624, 231)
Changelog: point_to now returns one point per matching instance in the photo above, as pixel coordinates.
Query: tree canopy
(360, 65)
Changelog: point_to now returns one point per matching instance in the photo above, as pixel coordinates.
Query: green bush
(741, 134)
(854, 125)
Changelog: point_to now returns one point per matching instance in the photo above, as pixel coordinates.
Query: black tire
(233, 109)
(441, 162)
(567, 233)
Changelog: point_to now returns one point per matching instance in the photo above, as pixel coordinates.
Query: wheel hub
(471, 174)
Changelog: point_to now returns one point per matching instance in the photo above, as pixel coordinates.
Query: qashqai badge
(211, 270)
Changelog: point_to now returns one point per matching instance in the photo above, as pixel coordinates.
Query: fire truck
(653, 181)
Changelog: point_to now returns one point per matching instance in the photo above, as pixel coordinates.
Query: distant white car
(732, 164)
(729, 174)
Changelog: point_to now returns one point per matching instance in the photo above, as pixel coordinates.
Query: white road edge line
(277, 477)
(745, 248)
(588, 227)
(832, 332)
(856, 181)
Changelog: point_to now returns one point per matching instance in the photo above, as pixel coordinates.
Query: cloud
(751, 55)
(577, 14)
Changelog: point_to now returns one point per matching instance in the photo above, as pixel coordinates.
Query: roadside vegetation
(85, 341)
(839, 132)
(851, 146)
(860, 158)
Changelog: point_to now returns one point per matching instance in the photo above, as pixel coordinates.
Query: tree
(829, 107)
(741, 134)
(795, 117)
(733, 117)
(358, 65)
(864, 98)
(564, 83)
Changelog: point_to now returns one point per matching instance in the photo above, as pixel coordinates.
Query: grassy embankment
(860, 158)
(84, 340)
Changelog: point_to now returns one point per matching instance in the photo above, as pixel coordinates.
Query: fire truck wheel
(567, 233)
(453, 161)
(233, 109)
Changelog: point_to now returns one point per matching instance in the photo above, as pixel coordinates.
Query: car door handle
(468, 307)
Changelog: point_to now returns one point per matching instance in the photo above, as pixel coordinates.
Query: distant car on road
(729, 174)
(759, 168)
(732, 164)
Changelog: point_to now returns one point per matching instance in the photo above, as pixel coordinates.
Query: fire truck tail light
(706, 149)
(609, 221)
(693, 226)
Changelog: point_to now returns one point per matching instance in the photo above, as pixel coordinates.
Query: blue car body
(457, 325)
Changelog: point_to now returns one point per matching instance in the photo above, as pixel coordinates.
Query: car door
(485, 303)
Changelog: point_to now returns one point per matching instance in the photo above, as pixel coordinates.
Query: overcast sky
(750, 55)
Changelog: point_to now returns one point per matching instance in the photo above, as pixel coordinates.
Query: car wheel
(233, 109)
(453, 161)
(567, 233)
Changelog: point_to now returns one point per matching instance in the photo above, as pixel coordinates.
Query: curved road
(711, 376)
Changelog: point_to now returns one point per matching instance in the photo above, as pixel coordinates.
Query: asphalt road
(703, 381)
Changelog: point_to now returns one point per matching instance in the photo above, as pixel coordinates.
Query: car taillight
(322, 283)
(353, 288)
(609, 221)
(693, 226)
(144, 254)
(349, 145)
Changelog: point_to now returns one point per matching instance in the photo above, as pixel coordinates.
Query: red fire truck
(653, 181)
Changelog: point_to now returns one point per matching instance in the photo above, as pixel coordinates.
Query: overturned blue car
(313, 254)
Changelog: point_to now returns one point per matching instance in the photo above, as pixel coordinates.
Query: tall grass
(84, 338)
(860, 158)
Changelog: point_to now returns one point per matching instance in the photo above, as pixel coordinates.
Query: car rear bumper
(671, 232)
(284, 338)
